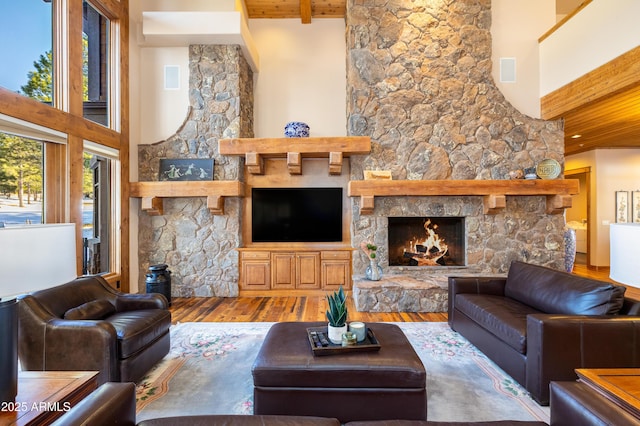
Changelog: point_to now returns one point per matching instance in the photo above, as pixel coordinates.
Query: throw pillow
(94, 310)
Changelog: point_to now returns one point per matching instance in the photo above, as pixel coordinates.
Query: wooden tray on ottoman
(369, 344)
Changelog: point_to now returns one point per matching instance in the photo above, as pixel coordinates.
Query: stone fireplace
(420, 86)
(426, 241)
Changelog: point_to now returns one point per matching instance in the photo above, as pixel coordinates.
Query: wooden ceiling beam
(305, 11)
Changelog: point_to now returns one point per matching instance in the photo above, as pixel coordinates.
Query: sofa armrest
(474, 285)
(131, 302)
(136, 302)
(82, 345)
(574, 403)
(110, 404)
(558, 344)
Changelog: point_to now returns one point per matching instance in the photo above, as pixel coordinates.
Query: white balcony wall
(602, 31)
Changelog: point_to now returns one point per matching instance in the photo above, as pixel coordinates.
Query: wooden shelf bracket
(152, 194)
(295, 150)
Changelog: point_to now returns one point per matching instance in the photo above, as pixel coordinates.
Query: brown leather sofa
(87, 325)
(539, 324)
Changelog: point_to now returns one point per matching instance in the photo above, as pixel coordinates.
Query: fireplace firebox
(426, 241)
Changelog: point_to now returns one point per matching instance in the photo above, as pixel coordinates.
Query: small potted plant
(337, 316)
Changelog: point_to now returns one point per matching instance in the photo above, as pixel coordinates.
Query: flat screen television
(296, 215)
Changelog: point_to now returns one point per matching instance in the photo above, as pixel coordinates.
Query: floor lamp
(32, 258)
(623, 242)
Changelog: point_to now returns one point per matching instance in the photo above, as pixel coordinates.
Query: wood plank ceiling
(304, 10)
(610, 121)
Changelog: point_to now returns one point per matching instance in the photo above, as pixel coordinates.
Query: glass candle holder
(348, 339)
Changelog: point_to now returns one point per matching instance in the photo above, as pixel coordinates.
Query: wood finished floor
(309, 308)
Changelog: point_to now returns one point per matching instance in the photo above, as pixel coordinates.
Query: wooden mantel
(255, 150)
(152, 193)
(558, 192)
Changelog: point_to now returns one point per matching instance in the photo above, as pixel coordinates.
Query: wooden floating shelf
(153, 193)
(558, 192)
(294, 150)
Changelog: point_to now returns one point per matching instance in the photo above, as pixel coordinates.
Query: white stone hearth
(401, 293)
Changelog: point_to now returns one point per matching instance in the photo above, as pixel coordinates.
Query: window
(26, 31)
(100, 222)
(21, 180)
(95, 49)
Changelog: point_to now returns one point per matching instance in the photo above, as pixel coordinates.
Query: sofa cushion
(94, 310)
(505, 318)
(556, 292)
(136, 329)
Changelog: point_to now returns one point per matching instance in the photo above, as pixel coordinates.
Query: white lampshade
(624, 242)
(35, 257)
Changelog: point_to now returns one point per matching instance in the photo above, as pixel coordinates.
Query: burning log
(428, 252)
(432, 257)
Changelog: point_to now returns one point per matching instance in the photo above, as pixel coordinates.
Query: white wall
(600, 32)
(612, 170)
(516, 26)
(165, 109)
(302, 76)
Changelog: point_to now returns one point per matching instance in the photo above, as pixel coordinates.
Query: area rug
(208, 371)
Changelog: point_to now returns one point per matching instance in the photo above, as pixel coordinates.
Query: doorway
(578, 216)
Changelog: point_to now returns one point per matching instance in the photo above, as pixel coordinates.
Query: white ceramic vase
(335, 333)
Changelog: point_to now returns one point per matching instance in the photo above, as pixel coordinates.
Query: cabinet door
(336, 269)
(255, 271)
(255, 275)
(283, 270)
(336, 273)
(308, 270)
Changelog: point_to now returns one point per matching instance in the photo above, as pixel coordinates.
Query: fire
(428, 251)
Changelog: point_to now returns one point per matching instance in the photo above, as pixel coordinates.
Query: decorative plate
(548, 169)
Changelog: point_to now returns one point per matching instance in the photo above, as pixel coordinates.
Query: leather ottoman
(386, 384)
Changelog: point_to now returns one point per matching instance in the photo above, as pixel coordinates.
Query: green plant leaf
(337, 312)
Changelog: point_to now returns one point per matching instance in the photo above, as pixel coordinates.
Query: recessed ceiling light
(576, 136)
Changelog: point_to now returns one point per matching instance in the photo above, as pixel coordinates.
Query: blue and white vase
(296, 129)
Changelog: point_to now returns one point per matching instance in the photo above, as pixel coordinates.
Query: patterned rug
(208, 371)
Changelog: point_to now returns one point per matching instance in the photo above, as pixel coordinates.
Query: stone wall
(419, 83)
(200, 248)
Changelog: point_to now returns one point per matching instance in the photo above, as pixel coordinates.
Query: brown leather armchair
(87, 325)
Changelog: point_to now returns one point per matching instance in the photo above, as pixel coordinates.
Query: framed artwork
(635, 206)
(622, 206)
(189, 169)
